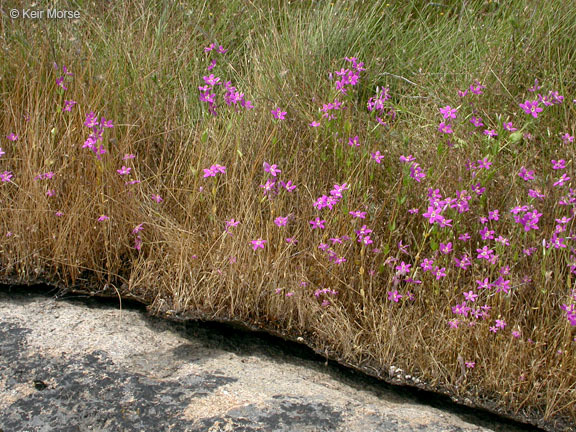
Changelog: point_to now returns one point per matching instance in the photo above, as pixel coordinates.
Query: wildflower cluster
(230, 94)
(348, 77)
(378, 105)
(97, 133)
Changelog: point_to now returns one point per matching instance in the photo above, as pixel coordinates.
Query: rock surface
(83, 365)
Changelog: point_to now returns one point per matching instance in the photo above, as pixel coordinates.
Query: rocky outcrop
(82, 365)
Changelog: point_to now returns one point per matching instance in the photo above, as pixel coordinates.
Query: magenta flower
(211, 80)
(340, 260)
(279, 114)
(445, 248)
(325, 201)
(362, 231)
(213, 170)
(416, 172)
(470, 296)
(567, 139)
(219, 169)
(289, 186)
(272, 169)
(470, 364)
(6, 176)
(463, 262)
(476, 121)
(562, 180)
(206, 96)
(209, 173)
(500, 323)
(403, 268)
(439, 272)
(281, 221)
(377, 156)
(445, 128)
(558, 164)
(509, 127)
(433, 214)
(317, 223)
(157, 198)
(268, 186)
(128, 156)
(354, 142)
(407, 159)
(138, 243)
(477, 88)
(486, 233)
(231, 223)
(358, 214)
(394, 296)
(2, 152)
(103, 218)
(448, 112)
(556, 242)
(12, 137)
(138, 228)
(525, 174)
(531, 107)
(563, 220)
(314, 124)
(484, 253)
(59, 213)
(338, 189)
(461, 309)
(124, 170)
(484, 163)
(258, 244)
(536, 86)
(91, 120)
(365, 240)
(68, 104)
(491, 133)
(427, 264)
(60, 83)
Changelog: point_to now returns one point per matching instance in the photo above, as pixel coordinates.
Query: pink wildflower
(258, 244)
